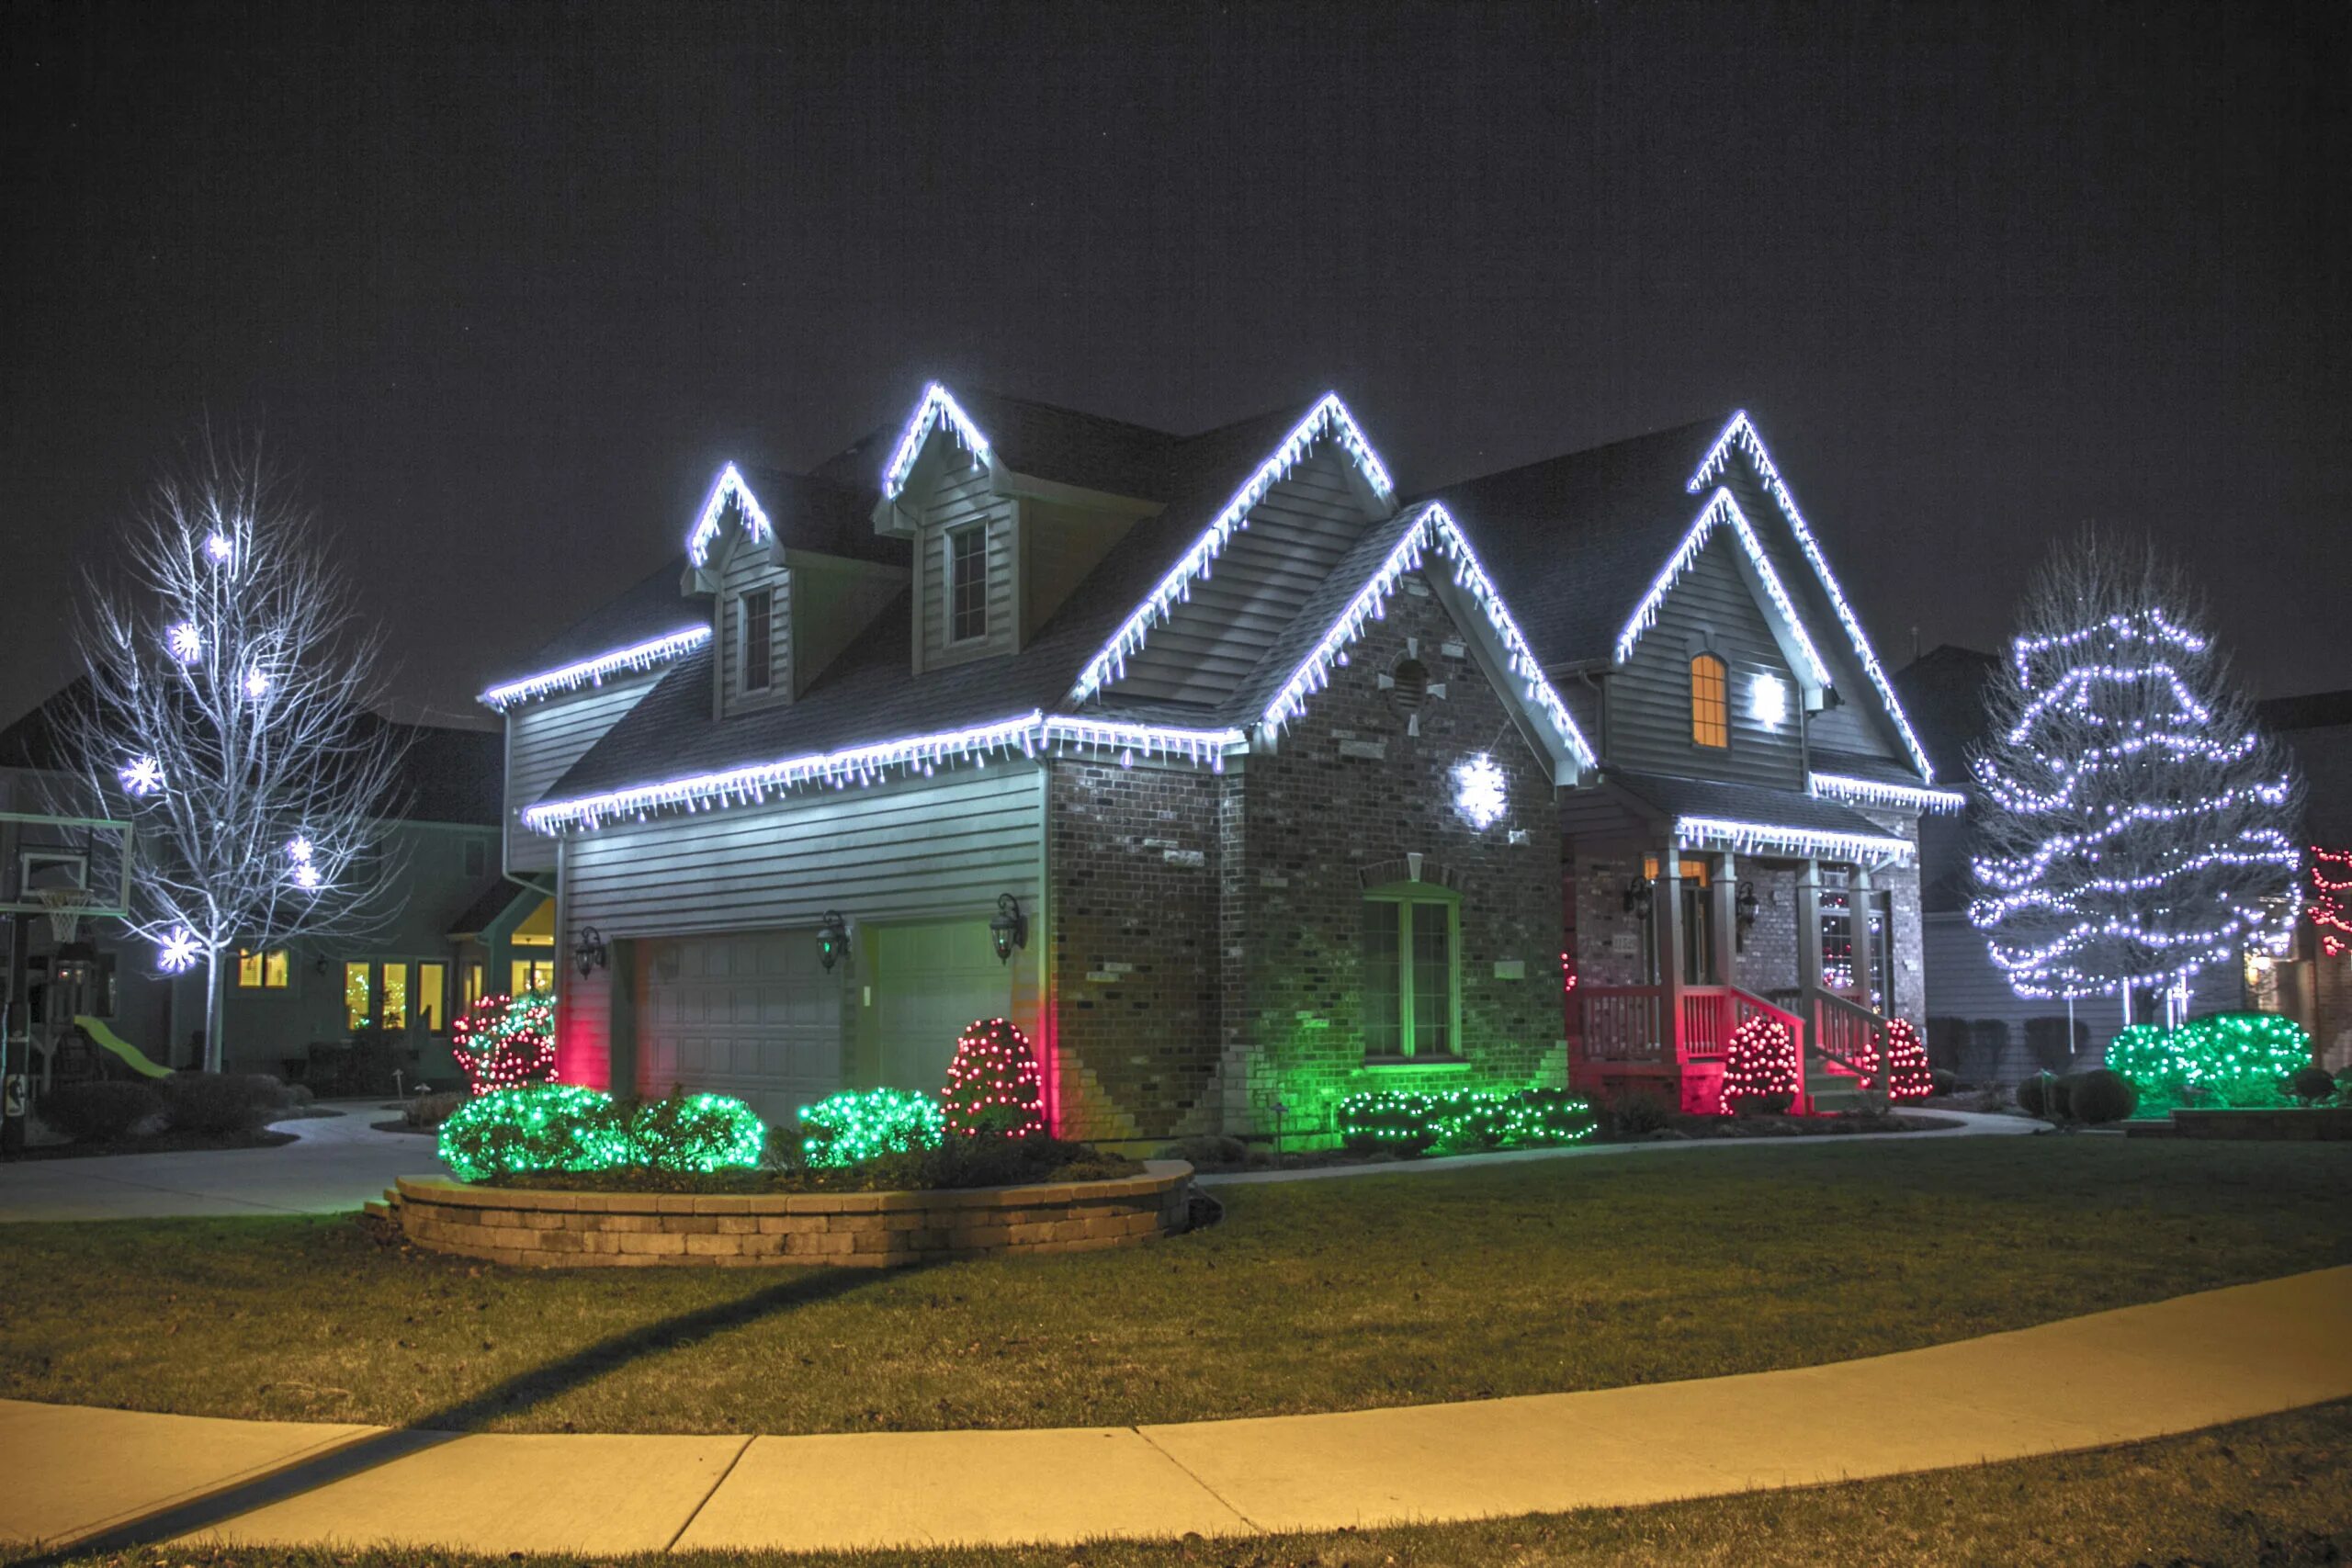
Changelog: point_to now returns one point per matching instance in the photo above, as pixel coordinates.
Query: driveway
(336, 1164)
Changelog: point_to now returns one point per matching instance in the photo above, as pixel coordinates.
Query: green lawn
(2269, 1493)
(1319, 1295)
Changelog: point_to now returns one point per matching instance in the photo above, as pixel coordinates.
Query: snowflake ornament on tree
(2128, 830)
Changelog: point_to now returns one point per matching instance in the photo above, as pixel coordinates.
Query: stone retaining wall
(871, 1230)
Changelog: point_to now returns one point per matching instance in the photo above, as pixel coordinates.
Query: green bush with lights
(1461, 1121)
(2231, 1059)
(545, 1127)
(857, 1125)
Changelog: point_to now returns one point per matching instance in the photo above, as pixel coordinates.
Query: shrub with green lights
(2229, 1059)
(566, 1127)
(857, 1125)
(1404, 1122)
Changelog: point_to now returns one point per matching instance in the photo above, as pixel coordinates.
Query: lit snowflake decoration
(256, 682)
(177, 951)
(141, 775)
(218, 546)
(186, 642)
(306, 876)
(1478, 790)
(299, 852)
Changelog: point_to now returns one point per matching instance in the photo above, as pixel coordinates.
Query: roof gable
(1722, 511)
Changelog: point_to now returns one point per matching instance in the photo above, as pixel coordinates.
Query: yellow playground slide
(96, 1029)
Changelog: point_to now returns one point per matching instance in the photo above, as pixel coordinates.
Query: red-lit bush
(1907, 1074)
(993, 1086)
(506, 1042)
(1760, 1068)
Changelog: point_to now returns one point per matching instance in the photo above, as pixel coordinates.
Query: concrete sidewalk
(335, 1164)
(2114, 1377)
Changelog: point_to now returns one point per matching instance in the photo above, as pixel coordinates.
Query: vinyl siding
(1295, 536)
(543, 739)
(749, 568)
(1649, 696)
(962, 499)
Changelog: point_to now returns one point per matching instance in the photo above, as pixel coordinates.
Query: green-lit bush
(542, 1127)
(858, 1124)
(2227, 1059)
(691, 1132)
(2099, 1096)
(1399, 1122)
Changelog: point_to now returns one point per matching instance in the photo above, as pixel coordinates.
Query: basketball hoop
(65, 911)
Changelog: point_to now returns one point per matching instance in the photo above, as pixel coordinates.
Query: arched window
(1709, 704)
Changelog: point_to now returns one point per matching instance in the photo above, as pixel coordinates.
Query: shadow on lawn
(453, 1421)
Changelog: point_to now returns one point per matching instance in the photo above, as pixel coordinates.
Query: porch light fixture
(1638, 892)
(1743, 913)
(1010, 928)
(588, 954)
(833, 936)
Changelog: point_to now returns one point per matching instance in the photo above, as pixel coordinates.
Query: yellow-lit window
(533, 976)
(1710, 704)
(473, 984)
(395, 996)
(359, 995)
(266, 971)
(432, 996)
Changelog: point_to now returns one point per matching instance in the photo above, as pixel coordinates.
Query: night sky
(508, 283)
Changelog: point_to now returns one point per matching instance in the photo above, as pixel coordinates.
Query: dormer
(733, 556)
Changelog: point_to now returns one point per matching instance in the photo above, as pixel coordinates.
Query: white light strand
(142, 775)
(938, 408)
(1433, 526)
(1871, 792)
(1329, 419)
(730, 485)
(1752, 838)
(2013, 871)
(2079, 684)
(591, 671)
(918, 755)
(2011, 795)
(2145, 625)
(1721, 508)
(1742, 431)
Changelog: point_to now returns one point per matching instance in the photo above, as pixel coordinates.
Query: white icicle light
(140, 776)
(1761, 837)
(1479, 791)
(1329, 419)
(1741, 430)
(938, 408)
(177, 951)
(1875, 792)
(1722, 508)
(591, 671)
(729, 486)
(186, 642)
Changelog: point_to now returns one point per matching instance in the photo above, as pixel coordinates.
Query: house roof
(497, 897)
(1042, 440)
(1745, 802)
(649, 609)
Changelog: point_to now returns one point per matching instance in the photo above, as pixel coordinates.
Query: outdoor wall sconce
(588, 953)
(1637, 897)
(833, 936)
(1743, 913)
(1010, 928)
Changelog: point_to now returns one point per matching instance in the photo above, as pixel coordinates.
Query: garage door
(747, 1013)
(930, 982)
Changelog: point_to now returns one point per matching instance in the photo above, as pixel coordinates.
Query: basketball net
(65, 911)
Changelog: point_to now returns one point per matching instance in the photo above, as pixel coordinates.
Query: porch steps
(1835, 1091)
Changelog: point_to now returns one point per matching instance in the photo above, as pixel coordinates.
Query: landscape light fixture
(1010, 928)
(833, 936)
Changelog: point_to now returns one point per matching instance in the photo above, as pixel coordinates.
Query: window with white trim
(1412, 972)
(967, 584)
(757, 615)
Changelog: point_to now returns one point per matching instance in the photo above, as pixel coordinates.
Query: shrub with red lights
(1760, 1068)
(1907, 1076)
(506, 1042)
(993, 1086)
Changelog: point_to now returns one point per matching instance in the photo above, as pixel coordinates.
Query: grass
(2272, 1492)
(1317, 1295)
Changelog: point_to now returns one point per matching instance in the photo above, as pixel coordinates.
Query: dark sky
(508, 282)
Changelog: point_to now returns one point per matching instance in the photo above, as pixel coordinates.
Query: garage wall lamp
(833, 940)
(588, 953)
(1010, 928)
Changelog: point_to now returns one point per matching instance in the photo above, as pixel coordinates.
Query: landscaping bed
(1492, 1278)
(1224, 1155)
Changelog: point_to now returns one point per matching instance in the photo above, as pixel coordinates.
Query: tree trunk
(213, 1012)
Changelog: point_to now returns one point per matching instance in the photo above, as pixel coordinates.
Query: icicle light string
(729, 487)
(1722, 509)
(938, 407)
(591, 671)
(1872, 791)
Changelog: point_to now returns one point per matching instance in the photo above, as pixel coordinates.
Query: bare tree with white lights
(231, 687)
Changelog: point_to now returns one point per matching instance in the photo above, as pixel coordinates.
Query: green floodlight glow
(857, 1125)
(2226, 1059)
(1407, 1122)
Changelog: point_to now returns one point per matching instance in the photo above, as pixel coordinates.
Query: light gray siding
(543, 739)
(749, 568)
(1710, 608)
(962, 500)
(1296, 535)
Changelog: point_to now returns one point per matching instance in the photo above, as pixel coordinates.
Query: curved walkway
(116, 1477)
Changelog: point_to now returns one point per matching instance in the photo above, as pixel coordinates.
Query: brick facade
(1206, 930)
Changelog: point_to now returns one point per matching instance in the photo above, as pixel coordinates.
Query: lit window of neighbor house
(267, 971)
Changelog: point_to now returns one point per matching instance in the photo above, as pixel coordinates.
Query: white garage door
(747, 1013)
(930, 982)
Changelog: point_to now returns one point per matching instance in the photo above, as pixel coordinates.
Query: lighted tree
(506, 1042)
(993, 1086)
(231, 679)
(2129, 831)
(1760, 1068)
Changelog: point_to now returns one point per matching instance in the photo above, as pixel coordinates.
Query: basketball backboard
(40, 855)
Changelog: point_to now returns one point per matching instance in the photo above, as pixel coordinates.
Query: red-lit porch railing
(1626, 1023)
(1849, 1038)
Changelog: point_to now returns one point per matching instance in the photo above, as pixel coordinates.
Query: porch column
(1809, 934)
(1666, 928)
(1726, 914)
(1858, 900)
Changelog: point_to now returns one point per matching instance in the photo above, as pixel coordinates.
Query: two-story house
(1237, 776)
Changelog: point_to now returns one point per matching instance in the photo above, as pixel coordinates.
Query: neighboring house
(1983, 1028)
(461, 928)
(2314, 982)
(1236, 779)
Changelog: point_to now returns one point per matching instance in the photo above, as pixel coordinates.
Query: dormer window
(967, 584)
(757, 617)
